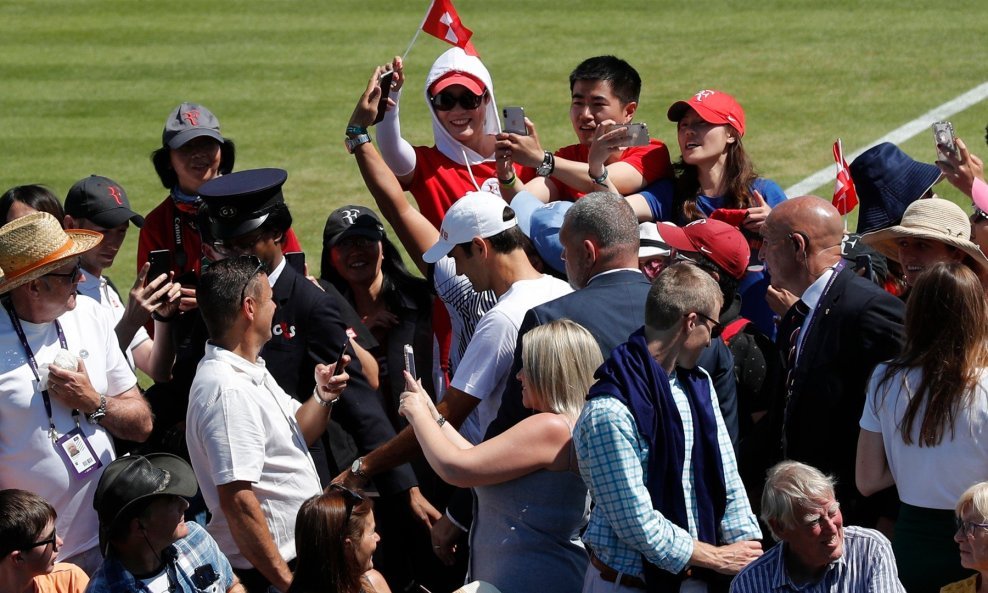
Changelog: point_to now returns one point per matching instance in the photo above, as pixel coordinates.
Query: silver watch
(100, 412)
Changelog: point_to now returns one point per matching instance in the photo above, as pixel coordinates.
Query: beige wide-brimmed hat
(33, 245)
(935, 219)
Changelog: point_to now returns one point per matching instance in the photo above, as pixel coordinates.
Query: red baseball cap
(714, 107)
(472, 83)
(718, 241)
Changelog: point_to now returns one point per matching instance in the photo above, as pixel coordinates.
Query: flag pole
(419, 30)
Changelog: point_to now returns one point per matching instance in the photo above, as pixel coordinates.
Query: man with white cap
(482, 236)
(65, 386)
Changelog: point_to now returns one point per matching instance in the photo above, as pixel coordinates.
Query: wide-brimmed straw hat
(33, 245)
(935, 219)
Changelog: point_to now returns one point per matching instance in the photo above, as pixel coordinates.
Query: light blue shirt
(623, 525)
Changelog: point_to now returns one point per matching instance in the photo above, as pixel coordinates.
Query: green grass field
(85, 86)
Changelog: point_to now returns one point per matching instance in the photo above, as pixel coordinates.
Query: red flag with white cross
(443, 23)
(845, 196)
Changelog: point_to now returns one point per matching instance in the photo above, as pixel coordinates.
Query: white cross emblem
(450, 35)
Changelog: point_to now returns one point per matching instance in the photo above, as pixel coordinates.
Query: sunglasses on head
(446, 101)
(350, 498)
(258, 267)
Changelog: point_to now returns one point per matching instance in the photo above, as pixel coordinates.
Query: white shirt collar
(814, 292)
(274, 274)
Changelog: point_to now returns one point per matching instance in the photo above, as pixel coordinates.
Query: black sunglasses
(258, 267)
(73, 276)
(350, 498)
(445, 101)
(48, 540)
(978, 215)
(716, 327)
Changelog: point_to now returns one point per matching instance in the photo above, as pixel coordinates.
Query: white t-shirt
(241, 426)
(100, 290)
(929, 477)
(28, 458)
(465, 306)
(484, 370)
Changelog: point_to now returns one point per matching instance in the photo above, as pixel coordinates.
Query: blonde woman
(530, 500)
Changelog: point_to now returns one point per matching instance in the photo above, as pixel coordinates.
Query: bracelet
(353, 130)
(441, 420)
(602, 180)
(157, 317)
(326, 403)
(507, 182)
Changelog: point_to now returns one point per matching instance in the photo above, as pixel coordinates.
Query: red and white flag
(442, 22)
(845, 196)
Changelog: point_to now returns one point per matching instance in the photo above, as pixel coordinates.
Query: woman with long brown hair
(924, 427)
(334, 542)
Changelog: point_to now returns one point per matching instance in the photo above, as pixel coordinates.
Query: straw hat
(33, 245)
(935, 219)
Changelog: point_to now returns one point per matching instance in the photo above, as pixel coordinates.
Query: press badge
(77, 453)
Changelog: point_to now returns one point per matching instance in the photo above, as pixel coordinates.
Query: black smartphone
(339, 361)
(161, 263)
(382, 104)
(296, 259)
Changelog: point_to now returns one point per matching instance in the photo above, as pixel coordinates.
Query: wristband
(602, 180)
(353, 130)
(507, 182)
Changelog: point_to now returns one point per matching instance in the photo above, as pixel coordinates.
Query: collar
(255, 372)
(276, 272)
(615, 270)
(91, 285)
(781, 579)
(814, 292)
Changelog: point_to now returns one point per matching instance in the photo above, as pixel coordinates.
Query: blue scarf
(633, 377)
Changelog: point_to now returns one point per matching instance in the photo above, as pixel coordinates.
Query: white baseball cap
(476, 214)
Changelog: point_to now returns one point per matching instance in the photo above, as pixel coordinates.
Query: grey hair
(607, 217)
(788, 484)
(977, 498)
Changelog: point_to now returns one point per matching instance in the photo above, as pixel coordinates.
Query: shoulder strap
(733, 328)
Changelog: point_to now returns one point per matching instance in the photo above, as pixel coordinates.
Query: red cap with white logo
(714, 107)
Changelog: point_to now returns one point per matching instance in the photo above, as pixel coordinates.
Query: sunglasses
(48, 540)
(446, 101)
(73, 276)
(978, 215)
(716, 327)
(350, 499)
(967, 527)
(258, 267)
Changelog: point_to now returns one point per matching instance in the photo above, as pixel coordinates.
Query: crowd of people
(615, 373)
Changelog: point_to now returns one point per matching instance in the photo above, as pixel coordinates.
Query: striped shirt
(464, 305)
(866, 565)
(623, 525)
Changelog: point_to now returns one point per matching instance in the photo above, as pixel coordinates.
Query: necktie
(799, 316)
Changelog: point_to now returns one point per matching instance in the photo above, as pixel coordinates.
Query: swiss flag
(443, 23)
(845, 196)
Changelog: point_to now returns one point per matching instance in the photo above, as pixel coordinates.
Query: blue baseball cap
(541, 223)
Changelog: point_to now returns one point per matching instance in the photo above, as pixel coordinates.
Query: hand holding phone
(410, 360)
(943, 136)
(514, 121)
(161, 263)
(382, 104)
(339, 361)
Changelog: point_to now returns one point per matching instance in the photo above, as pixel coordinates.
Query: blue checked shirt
(193, 551)
(623, 525)
(866, 565)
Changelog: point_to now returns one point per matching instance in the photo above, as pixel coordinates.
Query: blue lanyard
(16, 322)
(804, 333)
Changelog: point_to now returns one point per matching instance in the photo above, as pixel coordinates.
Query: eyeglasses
(967, 527)
(242, 247)
(446, 101)
(258, 267)
(716, 327)
(48, 540)
(73, 276)
(978, 215)
(355, 242)
(350, 498)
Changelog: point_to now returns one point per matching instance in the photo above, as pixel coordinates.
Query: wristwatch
(100, 412)
(352, 143)
(602, 180)
(326, 403)
(548, 165)
(355, 468)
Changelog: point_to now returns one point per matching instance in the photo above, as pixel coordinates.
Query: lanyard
(34, 364)
(804, 333)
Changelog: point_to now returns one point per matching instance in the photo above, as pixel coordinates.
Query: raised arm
(397, 152)
(415, 232)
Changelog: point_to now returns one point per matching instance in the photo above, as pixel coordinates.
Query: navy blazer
(857, 325)
(307, 329)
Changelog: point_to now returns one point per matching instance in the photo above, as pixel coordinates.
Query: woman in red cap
(715, 178)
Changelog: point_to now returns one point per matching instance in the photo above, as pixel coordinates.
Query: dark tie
(799, 316)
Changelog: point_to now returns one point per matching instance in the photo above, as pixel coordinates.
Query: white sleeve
(396, 151)
(488, 356)
(870, 419)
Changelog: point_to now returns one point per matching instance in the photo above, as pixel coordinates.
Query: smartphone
(296, 259)
(339, 361)
(410, 361)
(514, 121)
(161, 263)
(943, 136)
(637, 133)
(382, 104)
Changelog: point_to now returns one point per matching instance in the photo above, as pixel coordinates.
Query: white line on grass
(901, 134)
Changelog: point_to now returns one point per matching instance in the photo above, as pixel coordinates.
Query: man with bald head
(833, 336)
